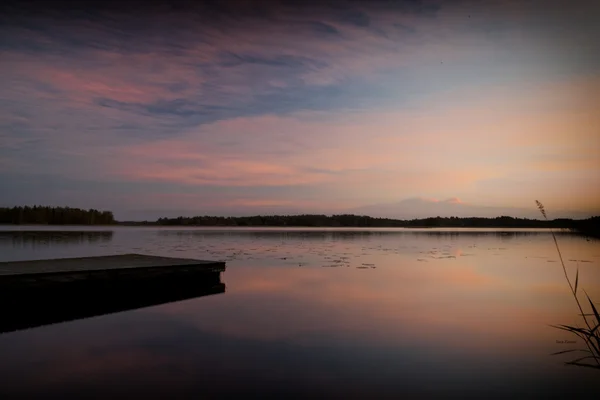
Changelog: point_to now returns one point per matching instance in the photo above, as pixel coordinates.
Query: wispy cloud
(353, 102)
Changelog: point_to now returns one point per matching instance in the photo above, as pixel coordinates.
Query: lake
(320, 313)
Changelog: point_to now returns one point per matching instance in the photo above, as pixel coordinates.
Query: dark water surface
(386, 313)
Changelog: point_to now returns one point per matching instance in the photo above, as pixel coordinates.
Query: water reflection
(52, 238)
(443, 314)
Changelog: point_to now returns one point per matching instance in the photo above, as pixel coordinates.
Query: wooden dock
(103, 263)
(40, 292)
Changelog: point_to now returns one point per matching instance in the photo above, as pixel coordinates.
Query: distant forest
(349, 220)
(75, 216)
(41, 215)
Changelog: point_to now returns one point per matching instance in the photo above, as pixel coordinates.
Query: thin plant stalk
(588, 335)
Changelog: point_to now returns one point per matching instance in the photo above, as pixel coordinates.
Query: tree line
(42, 215)
(350, 220)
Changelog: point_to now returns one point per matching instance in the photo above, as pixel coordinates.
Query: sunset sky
(388, 108)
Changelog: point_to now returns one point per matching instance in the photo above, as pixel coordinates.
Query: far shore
(67, 216)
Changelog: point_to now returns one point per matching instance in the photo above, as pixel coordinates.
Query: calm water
(318, 313)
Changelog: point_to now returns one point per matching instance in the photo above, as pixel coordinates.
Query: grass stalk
(591, 335)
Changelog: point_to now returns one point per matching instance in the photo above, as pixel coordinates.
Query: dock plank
(100, 263)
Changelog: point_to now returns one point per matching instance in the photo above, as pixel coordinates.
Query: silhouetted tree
(54, 216)
(350, 220)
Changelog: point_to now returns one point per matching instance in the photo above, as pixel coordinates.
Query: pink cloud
(367, 157)
(126, 79)
(454, 200)
(356, 53)
(226, 172)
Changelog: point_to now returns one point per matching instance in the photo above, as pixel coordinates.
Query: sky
(403, 109)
